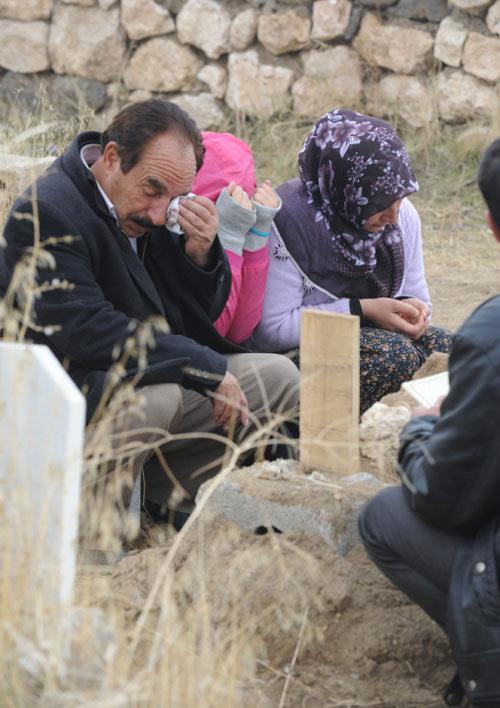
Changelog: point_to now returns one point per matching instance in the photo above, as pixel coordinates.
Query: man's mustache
(141, 221)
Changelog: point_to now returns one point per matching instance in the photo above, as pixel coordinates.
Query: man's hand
(199, 221)
(432, 410)
(229, 402)
(395, 315)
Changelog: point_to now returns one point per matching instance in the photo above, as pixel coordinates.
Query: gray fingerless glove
(256, 237)
(234, 222)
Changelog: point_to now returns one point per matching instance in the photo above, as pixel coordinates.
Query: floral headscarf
(353, 166)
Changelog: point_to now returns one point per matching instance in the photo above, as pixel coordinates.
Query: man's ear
(494, 228)
(110, 156)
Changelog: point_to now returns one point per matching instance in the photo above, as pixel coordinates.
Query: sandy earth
(364, 643)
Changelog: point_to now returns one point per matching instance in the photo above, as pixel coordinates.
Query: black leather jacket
(450, 468)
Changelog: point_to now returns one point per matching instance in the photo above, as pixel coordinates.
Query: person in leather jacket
(437, 536)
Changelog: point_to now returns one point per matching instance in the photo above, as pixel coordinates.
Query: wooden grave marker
(329, 391)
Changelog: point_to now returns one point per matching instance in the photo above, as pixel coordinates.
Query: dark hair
(136, 125)
(488, 179)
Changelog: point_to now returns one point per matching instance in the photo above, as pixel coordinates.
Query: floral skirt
(389, 358)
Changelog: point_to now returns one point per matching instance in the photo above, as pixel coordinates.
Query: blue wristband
(253, 230)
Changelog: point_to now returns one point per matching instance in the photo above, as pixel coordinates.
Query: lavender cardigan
(289, 292)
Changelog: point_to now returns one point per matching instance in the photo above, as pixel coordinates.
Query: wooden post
(329, 391)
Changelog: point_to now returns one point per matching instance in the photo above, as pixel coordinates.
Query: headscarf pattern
(353, 166)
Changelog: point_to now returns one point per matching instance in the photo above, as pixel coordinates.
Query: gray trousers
(414, 556)
(271, 385)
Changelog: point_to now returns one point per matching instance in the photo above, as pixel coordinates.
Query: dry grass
(176, 652)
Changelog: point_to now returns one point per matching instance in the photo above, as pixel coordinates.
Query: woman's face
(379, 220)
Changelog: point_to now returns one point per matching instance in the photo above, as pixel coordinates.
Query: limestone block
(462, 97)
(82, 3)
(203, 108)
(243, 29)
(74, 49)
(145, 18)
(257, 89)
(431, 10)
(27, 10)
(493, 18)
(331, 77)
(162, 65)
(449, 42)
(481, 56)
(41, 449)
(206, 25)
(400, 49)
(403, 96)
(70, 94)
(284, 32)
(215, 77)
(107, 4)
(475, 139)
(472, 7)
(174, 6)
(379, 433)
(139, 95)
(279, 496)
(377, 3)
(24, 46)
(330, 19)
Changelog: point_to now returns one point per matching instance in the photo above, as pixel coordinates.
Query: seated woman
(246, 211)
(348, 240)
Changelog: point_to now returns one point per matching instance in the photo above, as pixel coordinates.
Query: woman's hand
(424, 314)
(403, 316)
(239, 195)
(266, 195)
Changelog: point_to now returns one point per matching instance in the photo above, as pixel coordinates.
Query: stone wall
(417, 59)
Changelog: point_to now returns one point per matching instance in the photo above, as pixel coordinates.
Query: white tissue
(173, 213)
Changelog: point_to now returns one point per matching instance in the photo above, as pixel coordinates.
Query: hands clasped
(409, 317)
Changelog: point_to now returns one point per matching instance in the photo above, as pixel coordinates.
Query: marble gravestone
(42, 420)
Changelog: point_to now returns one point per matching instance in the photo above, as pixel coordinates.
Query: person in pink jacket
(246, 212)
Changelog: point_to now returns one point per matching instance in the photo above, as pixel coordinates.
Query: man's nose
(157, 212)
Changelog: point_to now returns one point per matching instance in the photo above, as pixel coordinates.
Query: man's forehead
(168, 156)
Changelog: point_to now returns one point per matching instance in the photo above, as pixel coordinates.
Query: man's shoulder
(62, 182)
(481, 328)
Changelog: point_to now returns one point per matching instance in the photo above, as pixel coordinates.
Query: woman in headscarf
(348, 240)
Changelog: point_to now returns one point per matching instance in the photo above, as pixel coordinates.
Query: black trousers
(414, 556)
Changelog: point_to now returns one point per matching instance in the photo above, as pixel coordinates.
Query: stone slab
(279, 497)
(42, 419)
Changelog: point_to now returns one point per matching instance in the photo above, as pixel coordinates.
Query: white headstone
(42, 420)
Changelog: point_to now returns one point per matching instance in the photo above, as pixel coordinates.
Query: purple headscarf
(351, 167)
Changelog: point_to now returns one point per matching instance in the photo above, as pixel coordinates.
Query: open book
(427, 390)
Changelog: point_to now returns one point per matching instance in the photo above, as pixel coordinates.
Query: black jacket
(112, 290)
(450, 468)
